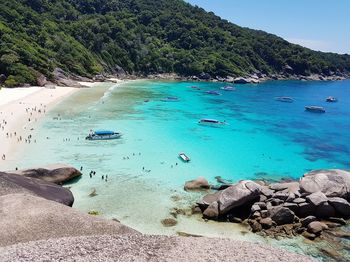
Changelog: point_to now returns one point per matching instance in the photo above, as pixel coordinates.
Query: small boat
(171, 99)
(103, 135)
(228, 88)
(315, 109)
(184, 157)
(213, 92)
(285, 99)
(211, 122)
(331, 99)
(195, 87)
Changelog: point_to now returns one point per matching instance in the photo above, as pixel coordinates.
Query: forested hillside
(87, 37)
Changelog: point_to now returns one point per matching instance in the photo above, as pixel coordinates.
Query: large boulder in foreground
(56, 173)
(331, 182)
(198, 184)
(13, 183)
(238, 195)
(26, 218)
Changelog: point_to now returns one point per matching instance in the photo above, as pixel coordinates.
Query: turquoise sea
(263, 139)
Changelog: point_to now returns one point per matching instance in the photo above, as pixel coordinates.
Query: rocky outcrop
(62, 78)
(284, 208)
(27, 218)
(198, 184)
(331, 182)
(57, 173)
(41, 80)
(13, 183)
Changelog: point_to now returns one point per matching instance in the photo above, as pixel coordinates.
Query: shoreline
(21, 110)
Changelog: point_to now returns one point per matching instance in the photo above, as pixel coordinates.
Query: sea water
(262, 139)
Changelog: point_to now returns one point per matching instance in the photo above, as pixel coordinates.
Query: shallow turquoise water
(264, 139)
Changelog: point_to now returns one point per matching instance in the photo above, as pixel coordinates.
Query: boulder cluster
(319, 201)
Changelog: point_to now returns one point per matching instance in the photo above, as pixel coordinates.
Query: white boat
(211, 122)
(184, 157)
(331, 99)
(170, 99)
(228, 88)
(285, 99)
(315, 109)
(103, 135)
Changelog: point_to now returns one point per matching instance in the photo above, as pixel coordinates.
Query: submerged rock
(316, 227)
(198, 184)
(169, 222)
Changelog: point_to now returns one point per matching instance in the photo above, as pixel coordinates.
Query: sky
(322, 25)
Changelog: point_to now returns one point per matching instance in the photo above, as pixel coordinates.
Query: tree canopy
(87, 37)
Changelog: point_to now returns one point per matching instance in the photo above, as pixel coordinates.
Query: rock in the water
(212, 211)
(282, 215)
(198, 184)
(57, 173)
(12, 183)
(307, 220)
(337, 220)
(341, 205)
(238, 195)
(316, 227)
(317, 198)
(208, 199)
(331, 182)
(308, 235)
(169, 222)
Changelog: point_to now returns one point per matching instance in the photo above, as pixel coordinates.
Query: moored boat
(103, 135)
(331, 99)
(228, 88)
(170, 99)
(213, 92)
(184, 157)
(285, 99)
(315, 109)
(211, 122)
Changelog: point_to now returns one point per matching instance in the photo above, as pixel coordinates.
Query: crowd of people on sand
(22, 135)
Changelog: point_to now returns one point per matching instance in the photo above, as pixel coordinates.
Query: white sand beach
(20, 109)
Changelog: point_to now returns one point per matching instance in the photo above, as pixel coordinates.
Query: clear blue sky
(318, 24)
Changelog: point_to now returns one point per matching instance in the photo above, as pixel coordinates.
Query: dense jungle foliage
(87, 37)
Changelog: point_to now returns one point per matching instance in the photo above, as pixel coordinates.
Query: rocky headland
(315, 207)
